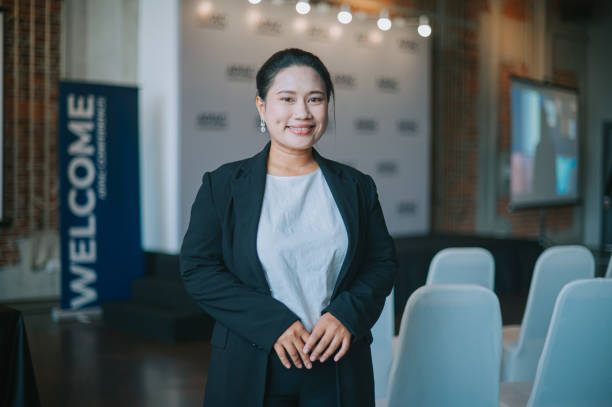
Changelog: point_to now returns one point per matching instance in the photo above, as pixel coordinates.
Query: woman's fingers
(293, 354)
(345, 346)
(280, 352)
(302, 336)
(295, 344)
(328, 334)
(333, 346)
(322, 345)
(313, 339)
(290, 343)
(299, 345)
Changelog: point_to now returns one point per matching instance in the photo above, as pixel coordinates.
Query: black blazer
(222, 272)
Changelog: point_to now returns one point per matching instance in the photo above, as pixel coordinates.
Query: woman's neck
(287, 162)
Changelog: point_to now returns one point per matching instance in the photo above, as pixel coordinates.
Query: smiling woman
(295, 113)
(289, 252)
(293, 93)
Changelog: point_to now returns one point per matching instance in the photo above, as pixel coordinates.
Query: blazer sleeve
(359, 306)
(251, 313)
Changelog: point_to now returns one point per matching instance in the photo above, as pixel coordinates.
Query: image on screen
(544, 151)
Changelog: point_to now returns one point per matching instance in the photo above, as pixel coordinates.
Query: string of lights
(345, 14)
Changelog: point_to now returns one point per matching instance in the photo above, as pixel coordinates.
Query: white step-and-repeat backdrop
(382, 111)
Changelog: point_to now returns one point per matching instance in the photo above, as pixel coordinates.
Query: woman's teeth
(300, 130)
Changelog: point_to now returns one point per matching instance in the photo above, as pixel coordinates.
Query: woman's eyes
(315, 99)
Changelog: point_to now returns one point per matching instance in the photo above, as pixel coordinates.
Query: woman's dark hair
(286, 58)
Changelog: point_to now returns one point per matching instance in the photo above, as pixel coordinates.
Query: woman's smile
(301, 130)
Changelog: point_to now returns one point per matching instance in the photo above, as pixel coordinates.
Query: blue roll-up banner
(99, 193)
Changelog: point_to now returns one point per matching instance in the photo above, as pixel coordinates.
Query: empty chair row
(449, 351)
(554, 268)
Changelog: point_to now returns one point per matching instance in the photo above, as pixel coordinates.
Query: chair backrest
(609, 269)
(462, 265)
(554, 268)
(576, 364)
(449, 349)
(382, 347)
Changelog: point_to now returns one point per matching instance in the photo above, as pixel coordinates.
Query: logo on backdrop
(216, 21)
(345, 81)
(317, 33)
(387, 85)
(386, 168)
(407, 127)
(237, 72)
(212, 121)
(268, 26)
(361, 39)
(366, 125)
(406, 208)
(408, 45)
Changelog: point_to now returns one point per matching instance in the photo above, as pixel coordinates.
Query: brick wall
(31, 72)
(455, 127)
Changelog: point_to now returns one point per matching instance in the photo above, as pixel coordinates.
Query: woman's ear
(261, 106)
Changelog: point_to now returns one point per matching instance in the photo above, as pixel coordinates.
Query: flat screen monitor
(545, 138)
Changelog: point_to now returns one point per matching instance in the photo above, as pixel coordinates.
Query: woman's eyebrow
(293, 92)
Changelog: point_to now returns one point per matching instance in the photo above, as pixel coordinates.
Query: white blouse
(301, 243)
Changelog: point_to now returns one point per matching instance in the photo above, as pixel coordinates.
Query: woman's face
(295, 109)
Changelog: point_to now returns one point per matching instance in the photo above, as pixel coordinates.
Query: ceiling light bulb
(384, 23)
(302, 6)
(254, 1)
(345, 16)
(424, 28)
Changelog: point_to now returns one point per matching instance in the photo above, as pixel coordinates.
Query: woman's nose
(302, 110)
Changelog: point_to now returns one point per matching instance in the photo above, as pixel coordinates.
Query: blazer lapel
(247, 192)
(344, 191)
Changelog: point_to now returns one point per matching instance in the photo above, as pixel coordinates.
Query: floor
(85, 363)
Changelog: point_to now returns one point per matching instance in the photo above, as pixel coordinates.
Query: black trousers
(315, 387)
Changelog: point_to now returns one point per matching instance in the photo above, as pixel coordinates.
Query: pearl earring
(262, 126)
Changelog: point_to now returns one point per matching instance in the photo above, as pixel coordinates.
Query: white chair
(554, 268)
(462, 265)
(449, 349)
(576, 364)
(382, 347)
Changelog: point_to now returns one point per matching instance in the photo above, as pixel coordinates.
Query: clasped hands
(304, 348)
